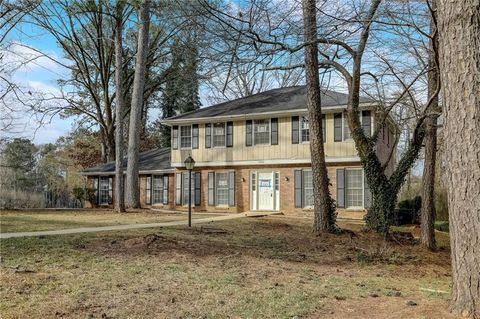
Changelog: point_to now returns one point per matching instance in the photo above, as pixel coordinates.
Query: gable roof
(277, 100)
(149, 161)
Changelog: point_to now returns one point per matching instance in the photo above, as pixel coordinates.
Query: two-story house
(253, 154)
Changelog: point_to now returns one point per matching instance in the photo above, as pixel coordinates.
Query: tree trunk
(323, 212)
(133, 194)
(428, 213)
(459, 39)
(119, 194)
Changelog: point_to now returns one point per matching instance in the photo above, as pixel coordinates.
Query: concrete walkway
(132, 226)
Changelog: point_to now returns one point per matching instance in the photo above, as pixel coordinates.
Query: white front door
(265, 191)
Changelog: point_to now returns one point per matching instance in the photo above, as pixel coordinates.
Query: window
(219, 135)
(186, 136)
(105, 190)
(304, 129)
(365, 122)
(185, 188)
(148, 190)
(157, 189)
(347, 135)
(354, 187)
(307, 189)
(277, 181)
(261, 132)
(221, 186)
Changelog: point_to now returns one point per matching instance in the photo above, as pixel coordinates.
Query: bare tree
(428, 212)
(132, 188)
(342, 47)
(459, 41)
(119, 108)
(323, 210)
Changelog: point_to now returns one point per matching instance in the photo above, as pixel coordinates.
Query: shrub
(16, 200)
(81, 194)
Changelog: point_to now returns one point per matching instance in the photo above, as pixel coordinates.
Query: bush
(17, 200)
(414, 204)
(81, 194)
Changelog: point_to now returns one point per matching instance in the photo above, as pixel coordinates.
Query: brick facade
(242, 190)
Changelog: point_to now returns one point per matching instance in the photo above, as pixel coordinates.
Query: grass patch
(269, 267)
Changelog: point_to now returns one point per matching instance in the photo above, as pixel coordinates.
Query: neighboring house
(253, 154)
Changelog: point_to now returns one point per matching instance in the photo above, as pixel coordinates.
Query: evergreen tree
(180, 92)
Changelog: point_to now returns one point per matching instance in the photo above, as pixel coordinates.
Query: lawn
(264, 267)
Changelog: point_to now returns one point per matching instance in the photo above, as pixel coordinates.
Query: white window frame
(212, 135)
(103, 190)
(180, 136)
(303, 188)
(217, 174)
(153, 190)
(269, 132)
(362, 206)
(300, 138)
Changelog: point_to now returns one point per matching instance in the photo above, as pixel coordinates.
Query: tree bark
(323, 213)
(119, 192)
(133, 192)
(428, 213)
(459, 42)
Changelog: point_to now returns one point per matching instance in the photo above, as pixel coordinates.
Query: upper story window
(342, 130)
(261, 132)
(301, 129)
(304, 129)
(219, 135)
(186, 136)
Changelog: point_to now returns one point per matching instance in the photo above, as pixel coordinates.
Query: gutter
(329, 109)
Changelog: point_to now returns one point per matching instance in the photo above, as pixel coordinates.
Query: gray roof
(276, 100)
(152, 160)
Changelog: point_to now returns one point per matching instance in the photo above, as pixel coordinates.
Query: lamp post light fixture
(189, 164)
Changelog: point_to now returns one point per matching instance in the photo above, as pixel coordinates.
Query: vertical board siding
(283, 150)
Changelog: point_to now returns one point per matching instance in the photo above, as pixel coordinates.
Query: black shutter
(248, 133)
(211, 188)
(175, 137)
(324, 128)
(367, 123)
(208, 135)
(295, 129)
(198, 193)
(298, 188)
(229, 134)
(194, 135)
(274, 131)
(231, 188)
(165, 189)
(178, 188)
(337, 127)
(367, 194)
(110, 190)
(341, 188)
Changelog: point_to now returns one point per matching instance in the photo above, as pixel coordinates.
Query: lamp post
(189, 164)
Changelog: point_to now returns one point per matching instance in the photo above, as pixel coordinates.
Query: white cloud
(18, 57)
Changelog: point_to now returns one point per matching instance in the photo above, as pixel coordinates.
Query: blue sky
(41, 75)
